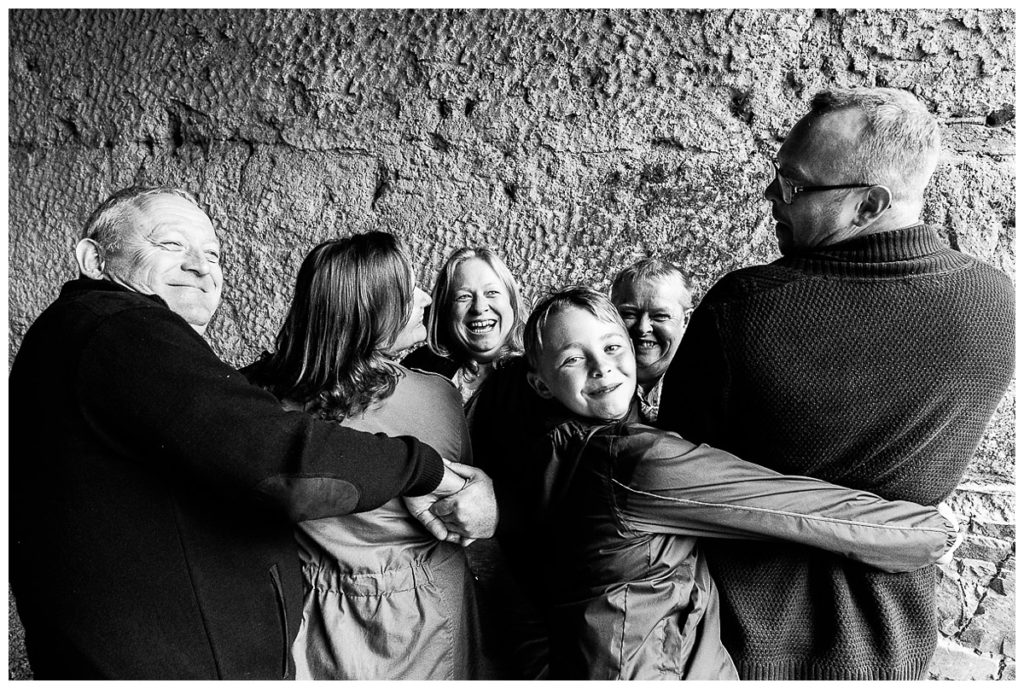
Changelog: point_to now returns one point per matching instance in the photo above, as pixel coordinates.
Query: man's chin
(197, 317)
(784, 237)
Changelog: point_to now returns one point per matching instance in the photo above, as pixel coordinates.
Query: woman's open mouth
(481, 327)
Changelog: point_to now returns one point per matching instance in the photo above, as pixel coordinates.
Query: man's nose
(771, 192)
(426, 298)
(195, 262)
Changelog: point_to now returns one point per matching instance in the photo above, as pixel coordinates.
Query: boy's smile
(587, 364)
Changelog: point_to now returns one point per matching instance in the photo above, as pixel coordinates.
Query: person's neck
(647, 385)
(898, 217)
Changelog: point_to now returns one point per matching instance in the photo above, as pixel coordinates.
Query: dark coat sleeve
(157, 393)
(694, 395)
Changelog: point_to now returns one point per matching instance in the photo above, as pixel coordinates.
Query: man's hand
(472, 512)
(419, 506)
(956, 527)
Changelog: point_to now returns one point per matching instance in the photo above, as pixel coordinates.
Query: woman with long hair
(384, 598)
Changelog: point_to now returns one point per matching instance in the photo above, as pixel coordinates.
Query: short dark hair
(576, 296)
(353, 296)
(106, 225)
(439, 333)
(648, 270)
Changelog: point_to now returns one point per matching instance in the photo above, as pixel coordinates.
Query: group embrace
(749, 492)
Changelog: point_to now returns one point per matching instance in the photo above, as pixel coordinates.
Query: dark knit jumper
(876, 364)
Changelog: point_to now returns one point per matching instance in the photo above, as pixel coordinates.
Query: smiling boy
(614, 508)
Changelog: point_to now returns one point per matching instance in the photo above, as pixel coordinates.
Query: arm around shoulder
(692, 490)
(152, 386)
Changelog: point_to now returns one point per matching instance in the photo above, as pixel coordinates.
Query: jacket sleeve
(689, 490)
(155, 392)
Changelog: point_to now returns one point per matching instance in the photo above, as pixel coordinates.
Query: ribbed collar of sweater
(910, 250)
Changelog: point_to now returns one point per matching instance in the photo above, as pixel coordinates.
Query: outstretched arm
(692, 490)
(174, 404)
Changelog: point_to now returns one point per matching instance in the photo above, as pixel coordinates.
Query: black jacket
(153, 492)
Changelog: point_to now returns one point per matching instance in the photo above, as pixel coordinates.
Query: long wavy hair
(353, 296)
(439, 326)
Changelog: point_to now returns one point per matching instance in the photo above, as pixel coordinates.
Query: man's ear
(538, 385)
(875, 202)
(90, 259)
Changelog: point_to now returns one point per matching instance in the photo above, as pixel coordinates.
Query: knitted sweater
(876, 364)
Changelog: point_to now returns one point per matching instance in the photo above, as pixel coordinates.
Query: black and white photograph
(520, 344)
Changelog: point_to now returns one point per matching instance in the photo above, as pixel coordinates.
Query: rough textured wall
(573, 141)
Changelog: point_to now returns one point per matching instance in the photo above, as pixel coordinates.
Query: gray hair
(107, 224)
(899, 144)
(648, 270)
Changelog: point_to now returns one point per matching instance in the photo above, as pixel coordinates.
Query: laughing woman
(384, 599)
(476, 321)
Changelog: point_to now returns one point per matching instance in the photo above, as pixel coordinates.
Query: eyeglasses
(790, 190)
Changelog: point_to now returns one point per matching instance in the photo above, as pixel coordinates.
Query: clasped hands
(461, 509)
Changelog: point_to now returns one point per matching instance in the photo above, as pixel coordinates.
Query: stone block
(991, 628)
(984, 548)
(954, 662)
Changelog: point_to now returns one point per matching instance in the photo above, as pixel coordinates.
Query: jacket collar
(906, 251)
(83, 285)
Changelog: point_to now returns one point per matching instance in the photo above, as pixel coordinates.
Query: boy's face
(587, 364)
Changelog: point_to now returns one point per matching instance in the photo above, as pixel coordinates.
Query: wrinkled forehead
(172, 213)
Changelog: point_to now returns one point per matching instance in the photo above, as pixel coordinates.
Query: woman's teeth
(480, 327)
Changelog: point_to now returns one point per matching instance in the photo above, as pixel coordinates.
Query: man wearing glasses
(654, 299)
(870, 355)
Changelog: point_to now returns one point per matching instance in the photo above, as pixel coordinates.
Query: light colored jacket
(384, 599)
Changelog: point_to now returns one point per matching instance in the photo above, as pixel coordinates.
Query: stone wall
(572, 141)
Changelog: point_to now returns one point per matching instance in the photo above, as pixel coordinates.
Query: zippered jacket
(615, 559)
